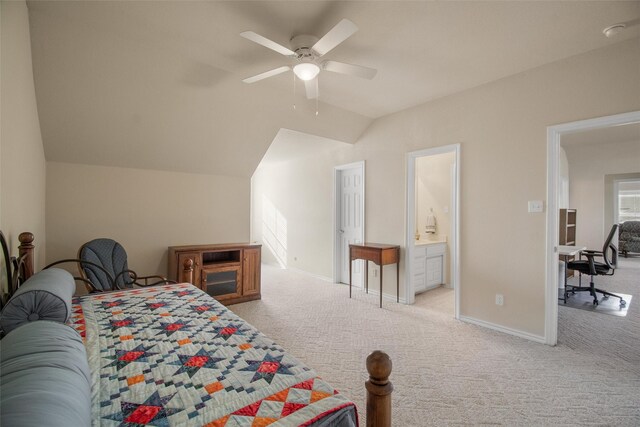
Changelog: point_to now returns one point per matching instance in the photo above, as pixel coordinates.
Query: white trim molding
(554, 134)
(516, 332)
(454, 242)
(385, 296)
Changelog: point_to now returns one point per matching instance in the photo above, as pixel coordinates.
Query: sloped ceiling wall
(117, 88)
(158, 84)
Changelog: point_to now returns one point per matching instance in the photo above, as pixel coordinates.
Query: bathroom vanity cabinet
(429, 262)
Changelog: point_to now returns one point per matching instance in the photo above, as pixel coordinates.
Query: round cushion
(45, 296)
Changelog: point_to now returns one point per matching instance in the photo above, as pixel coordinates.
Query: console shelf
(228, 272)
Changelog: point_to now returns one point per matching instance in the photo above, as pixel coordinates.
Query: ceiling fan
(308, 50)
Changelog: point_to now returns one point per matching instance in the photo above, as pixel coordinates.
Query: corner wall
(299, 194)
(145, 210)
(22, 162)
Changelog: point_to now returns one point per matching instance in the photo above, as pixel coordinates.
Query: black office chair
(609, 255)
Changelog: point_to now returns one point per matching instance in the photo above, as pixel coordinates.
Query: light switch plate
(536, 206)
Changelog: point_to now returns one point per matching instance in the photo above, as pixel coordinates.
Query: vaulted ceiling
(158, 85)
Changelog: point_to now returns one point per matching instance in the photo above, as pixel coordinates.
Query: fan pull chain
(294, 90)
(317, 92)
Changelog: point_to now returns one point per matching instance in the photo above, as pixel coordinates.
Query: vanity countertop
(422, 242)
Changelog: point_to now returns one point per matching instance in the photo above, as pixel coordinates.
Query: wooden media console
(230, 273)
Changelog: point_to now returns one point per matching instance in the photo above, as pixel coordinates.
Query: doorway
(348, 220)
(416, 220)
(554, 134)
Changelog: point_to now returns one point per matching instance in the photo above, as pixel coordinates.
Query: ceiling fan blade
(311, 87)
(342, 31)
(266, 74)
(257, 38)
(352, 70)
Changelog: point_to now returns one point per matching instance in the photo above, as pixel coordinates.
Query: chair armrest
(146, 279)
(590, 255)
(591, 252)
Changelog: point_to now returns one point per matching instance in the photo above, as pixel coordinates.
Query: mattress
(172, 355)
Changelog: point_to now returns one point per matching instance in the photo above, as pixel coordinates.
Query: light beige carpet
(448, 372)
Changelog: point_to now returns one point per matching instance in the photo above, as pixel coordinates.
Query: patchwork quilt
(172, 355)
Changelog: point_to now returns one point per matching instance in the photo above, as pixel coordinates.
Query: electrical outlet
(499, 299)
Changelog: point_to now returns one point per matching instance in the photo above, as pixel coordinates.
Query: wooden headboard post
(379, 390)
(26, 249)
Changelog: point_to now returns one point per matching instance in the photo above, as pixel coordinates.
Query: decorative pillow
(45, 296)
(44, 377)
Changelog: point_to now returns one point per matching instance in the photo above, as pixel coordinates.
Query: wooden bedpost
(187, 271)
(379, 390)
(26, 248)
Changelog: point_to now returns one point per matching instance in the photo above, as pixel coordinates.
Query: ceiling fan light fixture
(306, 71)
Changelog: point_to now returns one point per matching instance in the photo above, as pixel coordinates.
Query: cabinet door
(434, 271)
(195, 257)
(251, 271)
(419, 270)
(221, 282)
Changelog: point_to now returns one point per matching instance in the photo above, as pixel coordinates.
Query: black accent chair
(609, 255)
(103, 263)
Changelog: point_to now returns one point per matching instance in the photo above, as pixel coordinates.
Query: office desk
(566, 252)
(380, 254)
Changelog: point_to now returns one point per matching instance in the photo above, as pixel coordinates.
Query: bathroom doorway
(432, 257)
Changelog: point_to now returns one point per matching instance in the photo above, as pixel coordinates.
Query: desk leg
(366, 276)
(398, 282)
(381, 282)
(350, 262)
(566, 290)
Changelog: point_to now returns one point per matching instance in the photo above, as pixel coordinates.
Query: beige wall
(588, 165)
(501, 127)
(22, 176)
(502, 130)
(433, 191)
(563, 180)
(145, 210)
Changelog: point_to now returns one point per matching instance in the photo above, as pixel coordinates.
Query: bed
(172, 355)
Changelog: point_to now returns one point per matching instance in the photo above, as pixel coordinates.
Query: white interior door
(349, 219)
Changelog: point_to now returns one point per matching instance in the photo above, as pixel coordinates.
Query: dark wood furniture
(17, 269)
(381, 254)
(228, 272)
(379, 389)
(568, 233)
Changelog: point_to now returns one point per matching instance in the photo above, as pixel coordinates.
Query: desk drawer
(366, 253)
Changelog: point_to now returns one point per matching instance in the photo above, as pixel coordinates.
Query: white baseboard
(385, 296)
(317, 276)
(504, 329)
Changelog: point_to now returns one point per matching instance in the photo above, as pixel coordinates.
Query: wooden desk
(380, 254)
